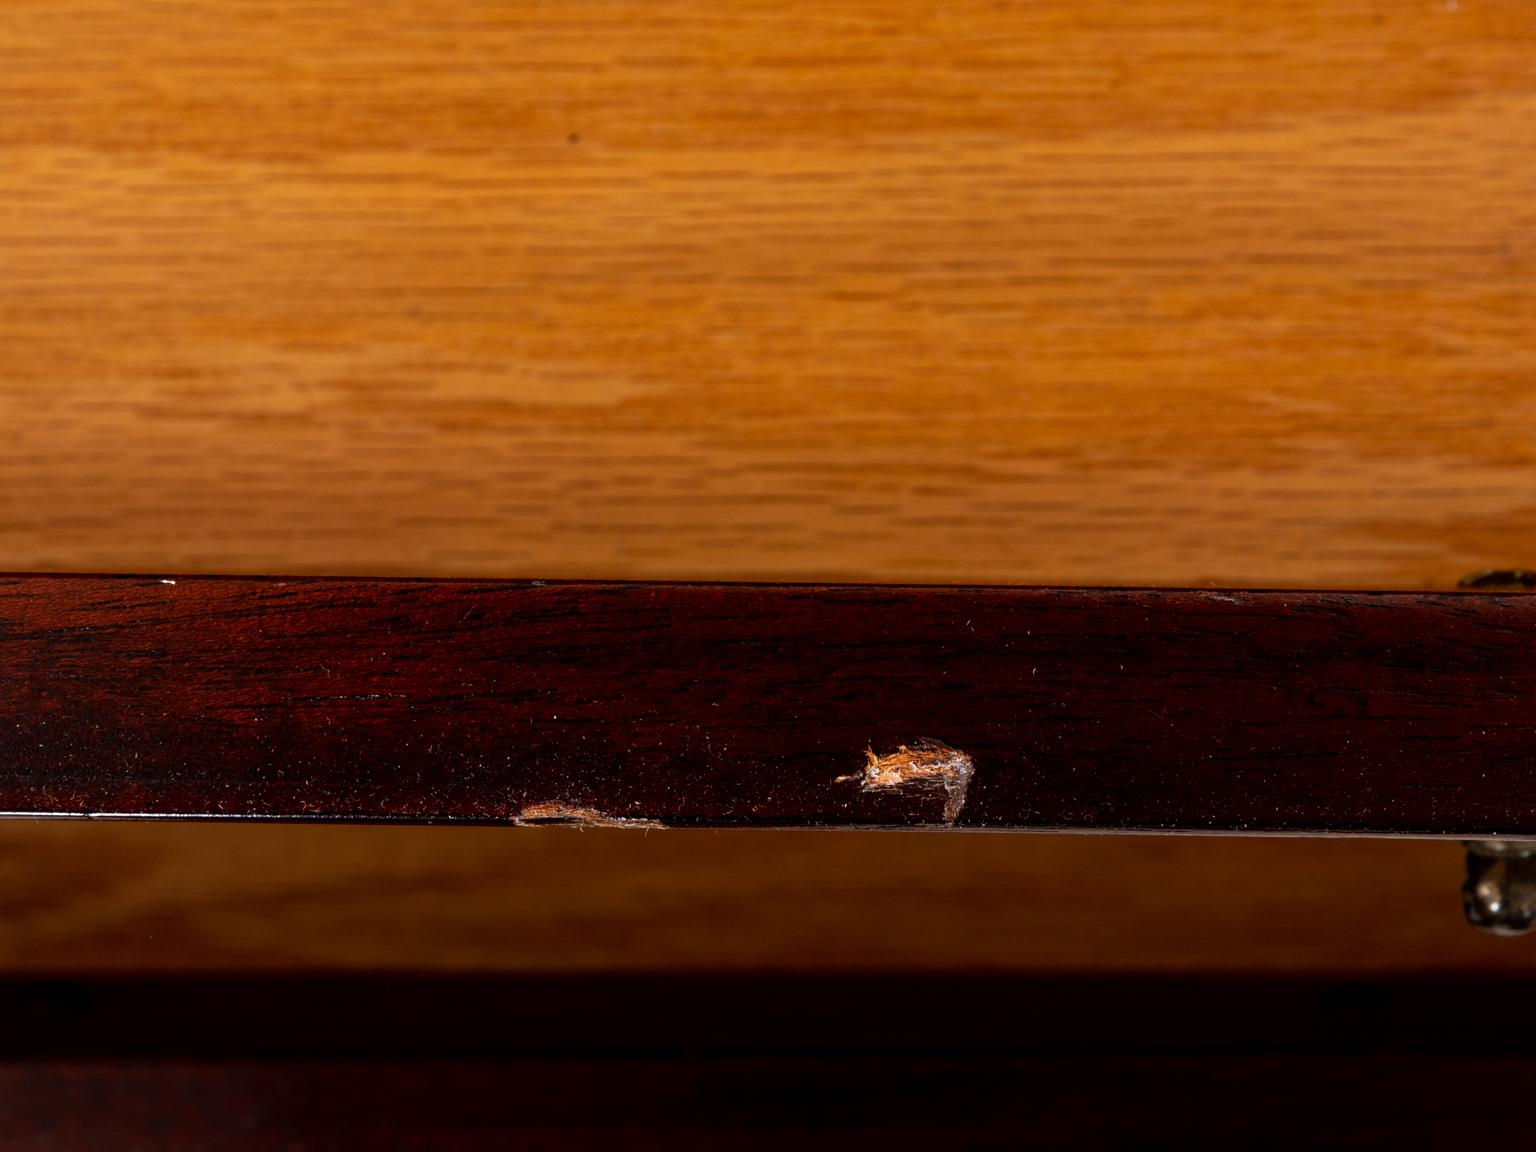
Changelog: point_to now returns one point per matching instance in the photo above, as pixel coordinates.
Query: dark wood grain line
(755, 705)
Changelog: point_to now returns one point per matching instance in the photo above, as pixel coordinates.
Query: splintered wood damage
(926, 764)
(580, 817)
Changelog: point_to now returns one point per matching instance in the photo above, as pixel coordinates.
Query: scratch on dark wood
(926, 765)
(543, 814)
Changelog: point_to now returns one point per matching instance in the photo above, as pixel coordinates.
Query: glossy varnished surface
(118, 898)
(759, 705)
(1072, 292)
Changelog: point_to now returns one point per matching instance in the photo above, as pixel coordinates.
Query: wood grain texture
(1086, 292)
(1069, 292)
(105, 898)
(768, 705)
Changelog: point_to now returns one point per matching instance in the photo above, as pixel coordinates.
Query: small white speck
(167, 581)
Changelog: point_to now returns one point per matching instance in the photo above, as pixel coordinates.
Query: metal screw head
(1499, 895)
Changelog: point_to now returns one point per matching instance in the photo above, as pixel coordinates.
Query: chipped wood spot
(923, 764)
(579, 817)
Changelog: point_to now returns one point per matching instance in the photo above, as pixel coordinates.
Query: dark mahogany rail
(698, 704)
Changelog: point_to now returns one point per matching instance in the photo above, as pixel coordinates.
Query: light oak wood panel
(121, 897)
(1089, 292)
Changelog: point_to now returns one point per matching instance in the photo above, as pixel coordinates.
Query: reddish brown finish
(754, 705)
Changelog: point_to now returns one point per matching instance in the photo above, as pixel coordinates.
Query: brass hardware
(1499, 895)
